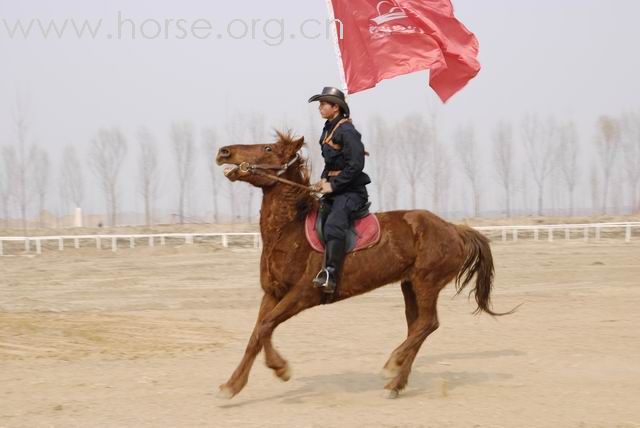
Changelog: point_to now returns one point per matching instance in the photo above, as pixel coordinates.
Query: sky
(576, 59)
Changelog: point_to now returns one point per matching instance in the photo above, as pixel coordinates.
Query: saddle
(364, 231)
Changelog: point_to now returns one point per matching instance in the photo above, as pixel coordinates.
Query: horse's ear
(298, 143)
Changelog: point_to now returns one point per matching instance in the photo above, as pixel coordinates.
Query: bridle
(281, 169)
(261, 169)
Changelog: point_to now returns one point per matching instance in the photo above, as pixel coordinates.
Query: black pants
(338, 211)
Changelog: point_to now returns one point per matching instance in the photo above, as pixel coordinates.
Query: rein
(260, 169)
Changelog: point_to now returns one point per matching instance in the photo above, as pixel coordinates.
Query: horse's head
(246, 162)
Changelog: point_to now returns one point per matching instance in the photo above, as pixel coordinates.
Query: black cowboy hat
(334, 96)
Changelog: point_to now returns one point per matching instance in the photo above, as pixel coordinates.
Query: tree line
(413, 163)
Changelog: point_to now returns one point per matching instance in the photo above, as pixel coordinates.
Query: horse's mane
(305, 202)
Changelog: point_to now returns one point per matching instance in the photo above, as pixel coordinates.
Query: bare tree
(567, 158)
(4, 195)
(595, 188)
(148, 172)
(312, 138)
(210, 147)
(631, 145)
(521, 186)
(414, 134)
(467, 150)
(108, 150)
(236, 130)
(257, 135)
(439, 174)
(381, 146)
(183, 142)
(608, 145)
(538, 136)
(40, 162)
(503, 157)
(23, 156)
(71, 181)
(7, 182)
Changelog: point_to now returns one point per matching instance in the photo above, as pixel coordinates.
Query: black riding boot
(327, 278)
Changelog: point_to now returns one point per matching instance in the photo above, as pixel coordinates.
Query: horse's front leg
(275, 361)
(300, 297)
(240, 376)
(308, 297)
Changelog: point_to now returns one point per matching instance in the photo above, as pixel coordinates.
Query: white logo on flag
(394, 12)
(388, 11)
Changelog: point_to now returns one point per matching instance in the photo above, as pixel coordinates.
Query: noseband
(280, 169)
(261, 169)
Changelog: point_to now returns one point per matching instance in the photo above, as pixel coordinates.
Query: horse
(416, 248)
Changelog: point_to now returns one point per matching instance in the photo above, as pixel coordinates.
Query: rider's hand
(326, 188)
(318, 186)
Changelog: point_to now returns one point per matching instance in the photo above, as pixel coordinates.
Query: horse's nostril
(224, 152)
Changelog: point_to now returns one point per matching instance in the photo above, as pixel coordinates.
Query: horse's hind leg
(390, 370)
(410, 303)
(426, 322)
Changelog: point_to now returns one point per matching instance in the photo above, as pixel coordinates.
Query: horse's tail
(478, 262)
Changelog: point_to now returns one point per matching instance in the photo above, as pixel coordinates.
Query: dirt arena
(143, 337)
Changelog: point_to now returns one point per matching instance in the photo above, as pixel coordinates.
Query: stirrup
(318, 282)
(328, 284)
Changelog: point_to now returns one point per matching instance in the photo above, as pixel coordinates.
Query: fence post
(114, 244)
(515, 235)
(76, 243)
(188, 239)
(504, 235)
(567, 233)
(98, 243)
(256, 241)
(60, 244)
(132, 242)
(151, 241)
(550, 234)
(162, 241)
(586, 234)
(597, 233)
(535, 234)
(38, 247)
(627, 233)
(225, 240)
(1, 249)
(26, 245)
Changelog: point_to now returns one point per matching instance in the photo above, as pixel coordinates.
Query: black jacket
(349, 160)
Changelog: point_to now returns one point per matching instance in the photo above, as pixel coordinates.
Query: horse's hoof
(225, 393)
(391, 394)
(284, 373)
(388, 374)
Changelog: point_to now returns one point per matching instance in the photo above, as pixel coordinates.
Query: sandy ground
(144, 336)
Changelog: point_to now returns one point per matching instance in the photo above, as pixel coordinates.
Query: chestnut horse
(417, 248)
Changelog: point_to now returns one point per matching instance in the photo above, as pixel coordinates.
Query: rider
(342, 181)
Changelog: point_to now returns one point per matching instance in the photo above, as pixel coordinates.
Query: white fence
(586, 232)
(551, 232)
(113, 242)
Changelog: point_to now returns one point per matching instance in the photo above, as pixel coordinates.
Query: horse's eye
(268, 149)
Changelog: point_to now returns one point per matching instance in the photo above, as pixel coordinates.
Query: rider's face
(327, 110)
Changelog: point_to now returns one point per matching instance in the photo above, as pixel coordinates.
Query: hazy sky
(576, 59)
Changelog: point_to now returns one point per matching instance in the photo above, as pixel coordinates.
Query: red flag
(388, 38)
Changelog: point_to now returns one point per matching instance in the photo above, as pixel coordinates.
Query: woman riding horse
(417, 249)
(342, 182)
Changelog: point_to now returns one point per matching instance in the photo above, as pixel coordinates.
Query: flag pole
(336, 46)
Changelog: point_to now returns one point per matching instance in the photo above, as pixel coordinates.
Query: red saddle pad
(367, 229)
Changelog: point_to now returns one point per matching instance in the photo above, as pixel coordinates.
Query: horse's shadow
(357, 382)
